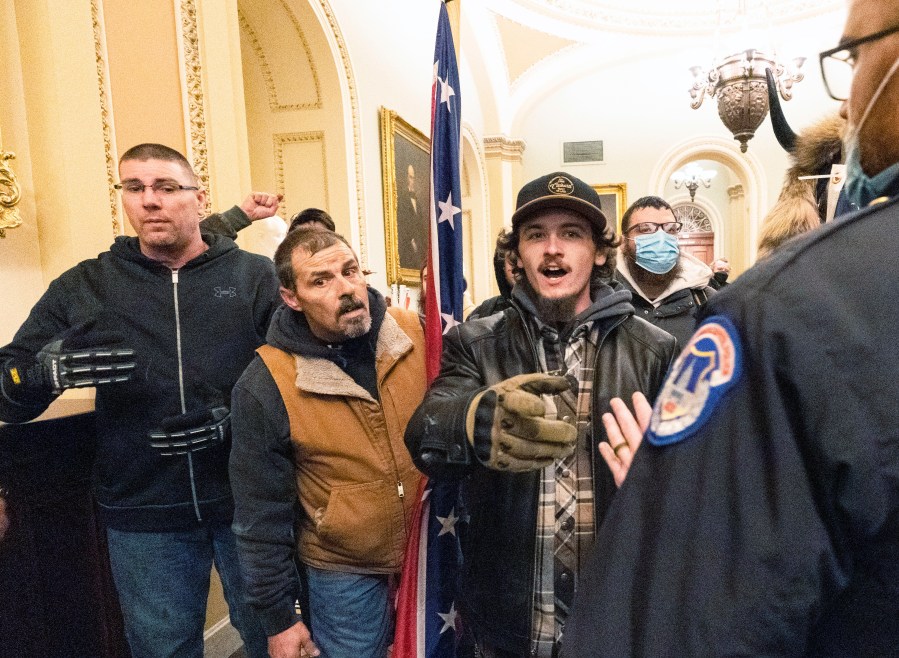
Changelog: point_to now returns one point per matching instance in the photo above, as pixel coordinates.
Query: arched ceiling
(529, 46)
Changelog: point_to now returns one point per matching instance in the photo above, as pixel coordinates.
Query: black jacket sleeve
(227, 223)
(265, 497)
(435, 434)
(49, 318)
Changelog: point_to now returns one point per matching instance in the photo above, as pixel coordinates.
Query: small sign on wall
(586, 152)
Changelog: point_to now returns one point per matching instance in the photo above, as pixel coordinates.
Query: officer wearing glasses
(668, 284)
(162, 325)
(760, 517)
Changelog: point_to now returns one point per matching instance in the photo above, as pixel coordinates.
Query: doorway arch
(748, 198)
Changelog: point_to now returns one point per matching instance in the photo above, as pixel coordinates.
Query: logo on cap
(560, 185)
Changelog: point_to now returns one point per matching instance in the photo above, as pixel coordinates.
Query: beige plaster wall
(295, 112)
(21, 277)
(56, 131)
(146, 91)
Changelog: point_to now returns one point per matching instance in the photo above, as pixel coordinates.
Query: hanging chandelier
(739, 83)
(691, 177)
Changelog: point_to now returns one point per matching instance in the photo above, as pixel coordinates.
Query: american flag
(427, 620)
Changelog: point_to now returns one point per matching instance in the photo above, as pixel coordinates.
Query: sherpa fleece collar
(322, 376)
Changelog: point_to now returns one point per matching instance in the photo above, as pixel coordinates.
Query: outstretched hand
(83, 356)
(260, 205)
(292, 643)
(625, 433)
(514, 435)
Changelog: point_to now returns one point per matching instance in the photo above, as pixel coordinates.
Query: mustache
(552, 262)
(348, 304)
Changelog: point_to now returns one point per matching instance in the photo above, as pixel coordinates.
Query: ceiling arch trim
(268, 75)
(524, 47)
(352, 122)
(745, 166)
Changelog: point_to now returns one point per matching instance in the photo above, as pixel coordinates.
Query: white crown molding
(504, 148)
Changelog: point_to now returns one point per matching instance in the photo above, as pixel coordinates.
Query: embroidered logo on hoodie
(225, 292)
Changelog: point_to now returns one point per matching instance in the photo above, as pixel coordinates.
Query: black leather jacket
(498, 547)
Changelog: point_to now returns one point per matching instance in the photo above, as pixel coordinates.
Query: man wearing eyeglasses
(162, 324)
(668, 285)
(760, 517)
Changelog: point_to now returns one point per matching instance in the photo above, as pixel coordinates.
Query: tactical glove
(507, 429)
(79, 357)
(195, 430)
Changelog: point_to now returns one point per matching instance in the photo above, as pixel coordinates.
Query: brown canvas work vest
(355, 480)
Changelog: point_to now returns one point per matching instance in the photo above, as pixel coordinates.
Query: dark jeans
(163, 583)
(352, 614)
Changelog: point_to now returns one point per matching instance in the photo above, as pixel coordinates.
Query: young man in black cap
(512, 413)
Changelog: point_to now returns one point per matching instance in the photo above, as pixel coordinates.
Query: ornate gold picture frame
(405, 163)
(614, 201)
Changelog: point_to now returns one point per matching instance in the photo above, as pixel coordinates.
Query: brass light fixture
(738, 81)
(691, 177)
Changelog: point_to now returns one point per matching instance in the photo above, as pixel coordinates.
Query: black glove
(195, 430)
(507, 429)
(79, 357)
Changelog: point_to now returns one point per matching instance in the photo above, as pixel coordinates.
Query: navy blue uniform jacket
(765, 519)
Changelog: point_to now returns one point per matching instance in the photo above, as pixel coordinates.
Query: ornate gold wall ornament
(9, 194)
(267, 75)
(103, 85)
(296, 138)
(193, 74)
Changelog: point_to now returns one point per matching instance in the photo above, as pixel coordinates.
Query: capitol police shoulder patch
(711, 364)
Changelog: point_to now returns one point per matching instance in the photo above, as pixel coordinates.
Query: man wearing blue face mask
(668, 285)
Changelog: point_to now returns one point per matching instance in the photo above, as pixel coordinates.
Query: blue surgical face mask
(861, 189)
(658, 252)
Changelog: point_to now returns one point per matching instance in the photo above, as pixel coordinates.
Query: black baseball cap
(559, 190)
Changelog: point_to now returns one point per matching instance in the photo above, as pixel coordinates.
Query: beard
(644, 277)
(562, 309)
(352, 327)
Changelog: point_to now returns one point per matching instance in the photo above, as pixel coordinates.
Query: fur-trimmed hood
(797, 210)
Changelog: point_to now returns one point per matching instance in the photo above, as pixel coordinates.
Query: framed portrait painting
(614, 201)
(406, 162)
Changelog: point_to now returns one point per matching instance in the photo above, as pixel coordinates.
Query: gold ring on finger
(621, 445)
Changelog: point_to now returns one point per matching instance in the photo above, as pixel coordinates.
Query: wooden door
(701, 245)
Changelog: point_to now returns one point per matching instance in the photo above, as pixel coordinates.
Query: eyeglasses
(648, 228)
(161, 187)
(837, 63)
